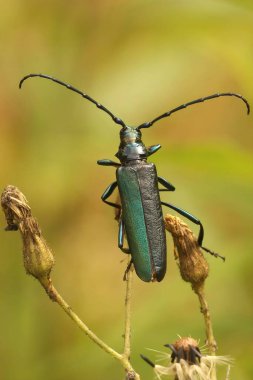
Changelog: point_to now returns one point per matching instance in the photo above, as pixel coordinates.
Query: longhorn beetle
(141, 217)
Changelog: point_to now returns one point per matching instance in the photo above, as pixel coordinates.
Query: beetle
(140, 211)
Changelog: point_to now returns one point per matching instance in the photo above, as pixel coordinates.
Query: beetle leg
(107, 162)
(121, 237)
(108, 191)
(196, 221)
(120, 245)
(153, 148)
(127, 269)
(168, 186)
(190, 217)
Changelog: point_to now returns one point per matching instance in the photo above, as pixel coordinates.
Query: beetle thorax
(131, 146)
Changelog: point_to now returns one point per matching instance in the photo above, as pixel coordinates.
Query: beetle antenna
(70, 87)
(200, 100)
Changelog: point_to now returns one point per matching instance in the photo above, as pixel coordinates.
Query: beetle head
(131, 146)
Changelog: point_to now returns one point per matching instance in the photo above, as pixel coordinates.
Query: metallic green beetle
(141, 217)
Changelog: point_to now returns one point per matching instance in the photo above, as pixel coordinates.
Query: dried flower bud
(38, 258)
(192, 264)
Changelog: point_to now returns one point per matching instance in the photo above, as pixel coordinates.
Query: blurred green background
(139, 58)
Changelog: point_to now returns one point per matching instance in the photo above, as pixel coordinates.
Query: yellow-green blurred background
(139, 58)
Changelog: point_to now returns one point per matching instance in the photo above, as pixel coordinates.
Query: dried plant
(193, 268)
(187, 362)
(39, 260)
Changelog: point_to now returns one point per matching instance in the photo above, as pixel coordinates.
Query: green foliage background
(139, 58)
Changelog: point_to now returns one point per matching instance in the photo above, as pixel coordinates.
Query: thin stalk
(228, 373)
(199, 290)
(211, 342)
(55, 296)
(128, 299)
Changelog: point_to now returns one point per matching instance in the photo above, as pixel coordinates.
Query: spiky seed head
(182, 365)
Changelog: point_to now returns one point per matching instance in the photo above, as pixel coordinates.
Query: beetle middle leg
(106, 194)
(195, 221)
(108, 191)
(168, 186)
(106, 162)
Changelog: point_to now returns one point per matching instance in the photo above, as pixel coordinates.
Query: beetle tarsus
(213, 253)
(127, 270)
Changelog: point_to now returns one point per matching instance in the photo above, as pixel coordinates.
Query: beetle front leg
(106, 162)
(195, 221)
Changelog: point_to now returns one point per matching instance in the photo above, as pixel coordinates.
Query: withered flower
(186, 362)
(38, 258)
(192, 264)
(193, 267)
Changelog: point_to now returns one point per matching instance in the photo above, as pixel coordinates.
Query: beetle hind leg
(195, 221)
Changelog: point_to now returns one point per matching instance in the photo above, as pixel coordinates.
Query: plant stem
(212, 345)
(199, 290)
(39, 260)
(228, 373)
(55, 296)
(127, 335)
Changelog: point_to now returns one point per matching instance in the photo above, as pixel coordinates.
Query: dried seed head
(186, 362)
(38, 258)
(192, 264)
(205, 370)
